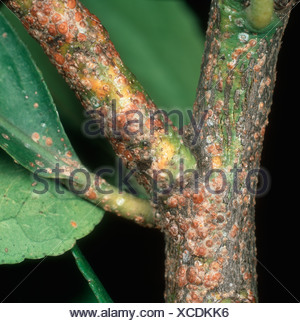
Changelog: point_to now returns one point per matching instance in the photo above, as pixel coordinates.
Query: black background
(129, 260)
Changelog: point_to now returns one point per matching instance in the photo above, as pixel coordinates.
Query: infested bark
(211, 258)
(81, 50)
(208, 218)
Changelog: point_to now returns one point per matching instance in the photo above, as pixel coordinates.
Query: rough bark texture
(211, 242)
(208, 219)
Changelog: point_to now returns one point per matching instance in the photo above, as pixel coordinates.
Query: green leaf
(36, 225)
(69, 106)
(37, 219)
(30, 129)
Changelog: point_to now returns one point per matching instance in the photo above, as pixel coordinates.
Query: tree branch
(210, 233)
(210, 245)
(80, 48)
(109, 197)
(236, 84)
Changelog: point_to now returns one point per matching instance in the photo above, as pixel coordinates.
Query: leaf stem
(89, 274)
(108, 197)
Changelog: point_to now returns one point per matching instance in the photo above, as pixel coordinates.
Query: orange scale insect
(198, 198)
(43, 20)
(56, 18)
(47, 10)
(71, 4)
(90, 194)
(30, 20)
(69, 38)
(81, 37)
(73, 224)
(35, 136)
(63, 27)
(69, 154)
(128, 155)
(52, 30)
(49, 141)
(59, 59)
(33, 12)
(78, 16)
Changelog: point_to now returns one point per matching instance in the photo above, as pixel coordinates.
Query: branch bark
(208, 219)
(80, 48)
(212, 256)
